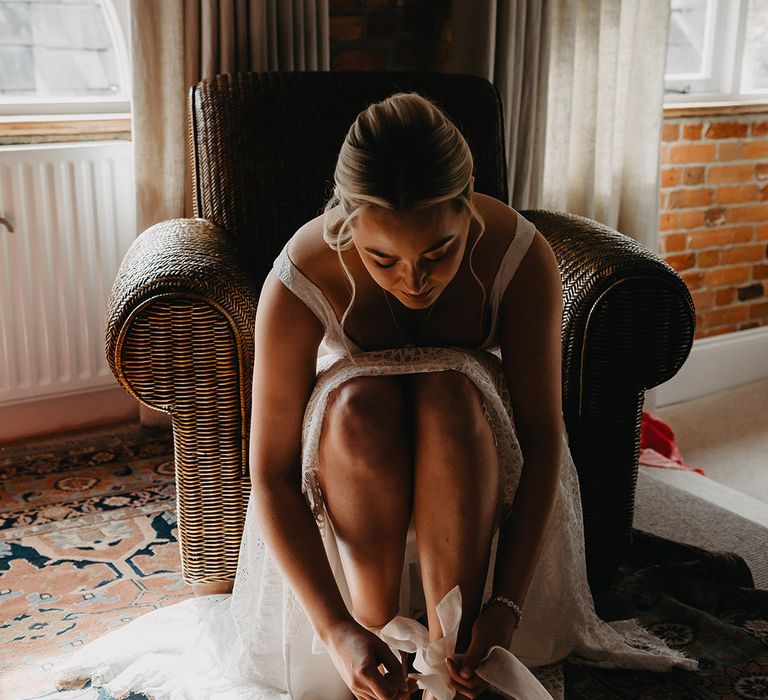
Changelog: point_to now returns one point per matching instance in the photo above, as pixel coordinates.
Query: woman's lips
(419, 297)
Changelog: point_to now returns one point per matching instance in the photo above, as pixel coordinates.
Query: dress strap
(306, 290)
(514, 254)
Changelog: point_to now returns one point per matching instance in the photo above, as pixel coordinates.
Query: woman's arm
(286, 341)
(530, 338)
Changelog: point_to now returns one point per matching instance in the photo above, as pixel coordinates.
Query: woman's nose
(415, 280)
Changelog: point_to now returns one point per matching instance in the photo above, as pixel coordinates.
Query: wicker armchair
(181, 314)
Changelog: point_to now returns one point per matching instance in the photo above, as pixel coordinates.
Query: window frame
(118, 18)
(725, 58)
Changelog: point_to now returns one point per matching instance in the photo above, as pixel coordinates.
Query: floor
(726, 435)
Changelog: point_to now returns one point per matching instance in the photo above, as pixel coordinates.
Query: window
(717, 50)
(63, 57)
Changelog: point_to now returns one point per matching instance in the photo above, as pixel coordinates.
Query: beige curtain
(606, 86)
(602, 62)
(174, 44)
(507, 42)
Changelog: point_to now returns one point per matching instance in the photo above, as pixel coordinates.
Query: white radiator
(72, 208)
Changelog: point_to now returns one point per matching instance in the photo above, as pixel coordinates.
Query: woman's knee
(365, 419)
(448, 404)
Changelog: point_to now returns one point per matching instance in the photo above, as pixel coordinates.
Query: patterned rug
(88, 543)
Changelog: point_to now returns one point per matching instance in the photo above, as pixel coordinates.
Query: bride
(408, 456)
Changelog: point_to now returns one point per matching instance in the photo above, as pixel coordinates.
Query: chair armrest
(179, 338)
(628, 325)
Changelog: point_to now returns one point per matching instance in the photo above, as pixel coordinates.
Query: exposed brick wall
(391, 35)
(713, 226)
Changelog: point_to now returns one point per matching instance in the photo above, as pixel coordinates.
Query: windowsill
(63, 127)
(723, 107)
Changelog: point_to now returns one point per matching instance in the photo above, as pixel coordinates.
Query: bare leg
(455, 493)
(366, 478)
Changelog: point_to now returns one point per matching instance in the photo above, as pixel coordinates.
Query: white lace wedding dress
(258, 643)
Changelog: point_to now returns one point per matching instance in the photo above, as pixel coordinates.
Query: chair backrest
(264, 145)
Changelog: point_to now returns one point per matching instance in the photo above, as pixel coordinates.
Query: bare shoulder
(309, 251)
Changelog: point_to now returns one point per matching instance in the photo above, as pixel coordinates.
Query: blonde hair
(401, 154)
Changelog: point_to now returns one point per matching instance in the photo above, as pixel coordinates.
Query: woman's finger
(474, 682)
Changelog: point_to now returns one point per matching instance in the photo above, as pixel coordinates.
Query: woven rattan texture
(628, 325)
(180, 339)
(266, 144)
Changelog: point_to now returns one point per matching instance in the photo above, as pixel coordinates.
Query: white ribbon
(499, 667)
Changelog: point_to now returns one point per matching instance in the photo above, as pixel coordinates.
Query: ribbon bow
(499, 667)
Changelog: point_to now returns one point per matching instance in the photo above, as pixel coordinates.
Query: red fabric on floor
(658, 447)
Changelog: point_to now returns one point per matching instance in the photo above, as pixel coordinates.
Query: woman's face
(414, 256)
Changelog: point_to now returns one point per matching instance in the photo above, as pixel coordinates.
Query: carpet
(88, 542)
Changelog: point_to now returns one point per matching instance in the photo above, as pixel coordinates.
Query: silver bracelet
(509, 603)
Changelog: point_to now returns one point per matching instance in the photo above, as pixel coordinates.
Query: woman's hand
(357, 654)
(494, 626)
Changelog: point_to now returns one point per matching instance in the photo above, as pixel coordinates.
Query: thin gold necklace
(397, 325)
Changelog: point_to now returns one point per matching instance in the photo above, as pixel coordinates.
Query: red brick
(720, 276)
(726, 296)
(668, 222)
(359, 59)
(703, 299)
(760, 271)
(729, 173)
(662, 199)
(726, 130)
(694, 176)
(673, 242)
(682, 261)
(685, 199)
(345, 27)
(750, 291)
(742, 234)
(729, 150)
(755, 149)
(692, 218)
(719, 236)
(670, 132)
(708, 258)
(761, 171)
(708, 238)
(758, 309)
(760, 129)
(730, 314)
(715, 216)
(692, 132)
(737, 194)
(748, 325)
(693, 280)
(670, 177)
(757, 212)
(764, 192)
(695, 153)
(762, 233)
(743, 253)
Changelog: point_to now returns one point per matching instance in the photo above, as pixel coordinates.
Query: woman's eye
(438, 258)
(383, 266)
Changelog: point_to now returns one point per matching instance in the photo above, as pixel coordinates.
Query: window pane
(687, 34)
(57, 48)
(755, 68)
